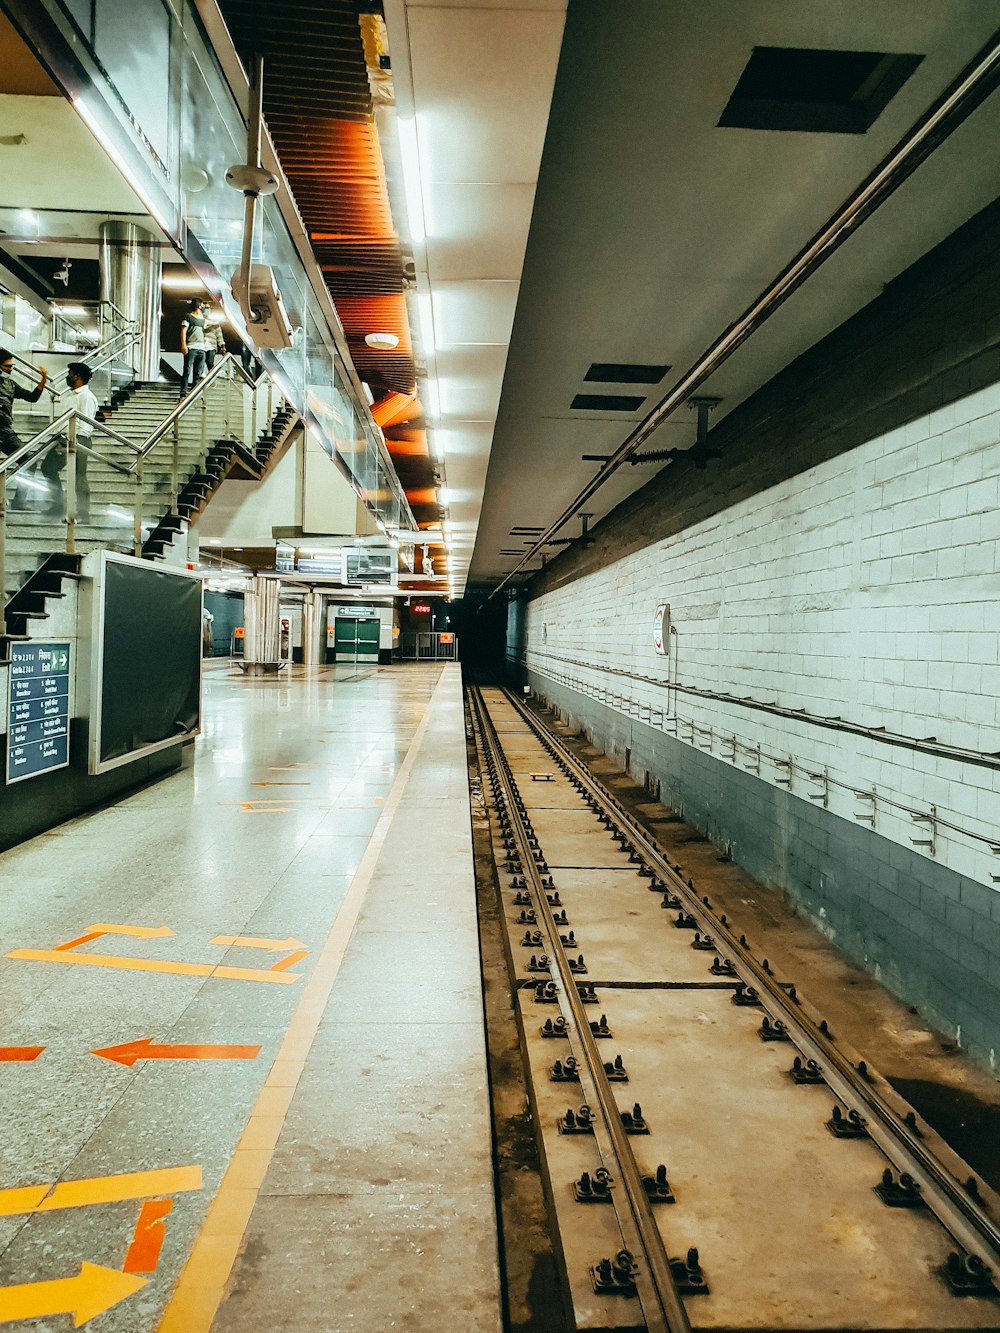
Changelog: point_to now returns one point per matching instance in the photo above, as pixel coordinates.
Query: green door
(356, 639)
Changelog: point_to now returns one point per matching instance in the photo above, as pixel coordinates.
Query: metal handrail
(106, 352)
(185, 405)
(31, 449)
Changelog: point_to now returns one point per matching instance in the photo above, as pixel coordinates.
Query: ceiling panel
(469, 379)
(477, 229)
(473, 312)
(54, 132)
(480, 117)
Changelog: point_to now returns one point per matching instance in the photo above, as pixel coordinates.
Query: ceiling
(473, 84)
(651, 229)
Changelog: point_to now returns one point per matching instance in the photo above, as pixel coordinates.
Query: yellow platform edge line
(200, 1288)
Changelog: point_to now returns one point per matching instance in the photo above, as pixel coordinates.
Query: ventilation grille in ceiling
(822, 92)
(613, 372)
(607, 402)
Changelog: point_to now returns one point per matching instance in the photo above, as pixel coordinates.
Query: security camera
(269, 324)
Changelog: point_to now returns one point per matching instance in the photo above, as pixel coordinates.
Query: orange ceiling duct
(318, 106)
(396, 410)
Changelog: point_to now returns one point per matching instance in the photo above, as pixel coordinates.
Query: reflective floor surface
(242, 1073)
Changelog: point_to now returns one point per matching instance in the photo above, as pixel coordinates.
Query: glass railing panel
(35, 524)
(105, 497)
(178, 139)
(213, 413)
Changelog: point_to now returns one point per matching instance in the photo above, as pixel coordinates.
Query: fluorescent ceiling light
(116, 157)
(410, 155)
(182, 282)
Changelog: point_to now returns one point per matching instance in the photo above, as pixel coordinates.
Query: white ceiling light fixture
(382, 342)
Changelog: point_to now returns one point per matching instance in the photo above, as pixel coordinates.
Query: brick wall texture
(843, 562)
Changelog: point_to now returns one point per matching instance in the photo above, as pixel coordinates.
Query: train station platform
(244, 1080)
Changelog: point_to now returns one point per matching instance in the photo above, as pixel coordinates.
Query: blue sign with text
(38, 709)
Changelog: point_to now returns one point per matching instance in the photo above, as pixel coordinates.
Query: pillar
(262, 623)
(130, 279)
(314, 641)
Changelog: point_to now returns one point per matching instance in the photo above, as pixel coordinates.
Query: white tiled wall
(867, 588)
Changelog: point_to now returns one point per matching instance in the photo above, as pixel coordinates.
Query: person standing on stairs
(193, 345)
(9, 394)
(215, 339)
(83, 401)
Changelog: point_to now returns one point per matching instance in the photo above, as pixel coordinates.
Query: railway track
(716, 1158)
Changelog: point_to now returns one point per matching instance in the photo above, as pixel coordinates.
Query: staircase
(209, 448)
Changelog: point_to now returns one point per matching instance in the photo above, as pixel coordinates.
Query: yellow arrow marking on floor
(90, 1293)
(139, 932)
(99, 1189)
(265, 808)
(252, 942)
(154, 965)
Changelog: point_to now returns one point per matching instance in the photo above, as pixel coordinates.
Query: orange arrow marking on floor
(90, 1293)
(20, 1052)
(98, 1189)
(130, 1051)
(139, 932)
(252, 942)
(282, 784)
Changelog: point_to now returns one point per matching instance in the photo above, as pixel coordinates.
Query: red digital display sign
(422, 608)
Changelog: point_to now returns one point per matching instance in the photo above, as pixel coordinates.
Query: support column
(312, 619)
(130, 278)
(262, 622)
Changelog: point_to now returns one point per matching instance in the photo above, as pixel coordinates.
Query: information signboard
(661, 630)
(38, 709)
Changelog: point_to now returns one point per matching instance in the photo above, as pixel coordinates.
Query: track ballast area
(715, 1157)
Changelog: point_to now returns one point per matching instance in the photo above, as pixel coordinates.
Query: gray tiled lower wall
(931, 935)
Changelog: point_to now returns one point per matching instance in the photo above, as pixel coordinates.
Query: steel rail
(662, 1306)
(976, 81)
(958, 1211)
